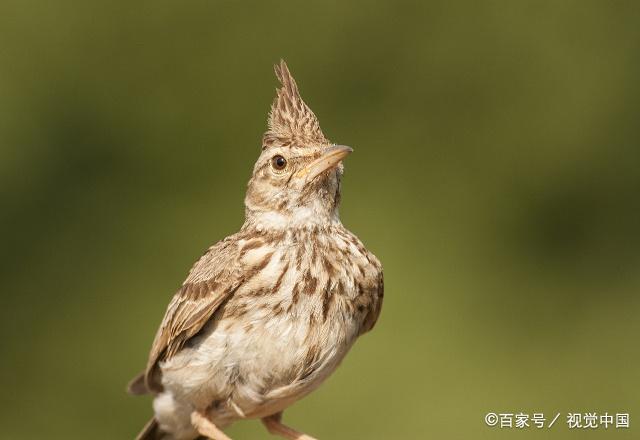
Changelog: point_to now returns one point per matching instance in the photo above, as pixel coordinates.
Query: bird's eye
(278, 163)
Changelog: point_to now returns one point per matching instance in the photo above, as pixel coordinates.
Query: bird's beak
(330, 158)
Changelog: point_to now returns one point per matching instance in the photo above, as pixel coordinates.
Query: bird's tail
(151, 431)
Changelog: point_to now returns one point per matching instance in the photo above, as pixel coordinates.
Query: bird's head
(296, 179)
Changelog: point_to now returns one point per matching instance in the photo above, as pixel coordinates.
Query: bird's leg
(206, 427)
(274, 426)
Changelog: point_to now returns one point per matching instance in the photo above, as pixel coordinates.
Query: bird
(268, 313)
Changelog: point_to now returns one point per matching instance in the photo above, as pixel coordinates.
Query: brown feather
(137, 385)
(374, 310)
(193, 305)
(291, 121)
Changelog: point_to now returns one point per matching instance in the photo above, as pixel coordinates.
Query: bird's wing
(212, 280)
(376, 304)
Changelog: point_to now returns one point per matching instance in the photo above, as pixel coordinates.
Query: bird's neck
(302, 217)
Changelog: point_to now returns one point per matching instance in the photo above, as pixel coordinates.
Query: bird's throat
(302, 217)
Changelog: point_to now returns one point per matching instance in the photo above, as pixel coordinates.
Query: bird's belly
(259, 362)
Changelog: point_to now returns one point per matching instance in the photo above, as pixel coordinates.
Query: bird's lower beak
(330, 158)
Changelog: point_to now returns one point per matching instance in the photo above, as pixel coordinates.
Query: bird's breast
(301, 307)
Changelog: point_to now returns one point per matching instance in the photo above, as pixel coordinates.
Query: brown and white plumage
(268, 313)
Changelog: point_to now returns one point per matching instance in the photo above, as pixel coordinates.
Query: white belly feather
(250, 366)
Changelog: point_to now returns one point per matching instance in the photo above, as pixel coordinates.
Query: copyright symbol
(491, 419)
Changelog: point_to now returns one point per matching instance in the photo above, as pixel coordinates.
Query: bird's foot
(206, 427)
(275, 426)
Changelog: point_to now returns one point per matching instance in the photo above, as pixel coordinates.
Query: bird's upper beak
(330, 158)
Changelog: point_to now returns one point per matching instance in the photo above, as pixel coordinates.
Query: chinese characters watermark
(588, 420)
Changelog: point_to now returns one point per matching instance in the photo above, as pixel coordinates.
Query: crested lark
(268, 313)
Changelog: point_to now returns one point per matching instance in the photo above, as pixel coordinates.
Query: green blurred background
(496, 175)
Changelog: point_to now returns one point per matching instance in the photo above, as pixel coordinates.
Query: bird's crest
(291, 121)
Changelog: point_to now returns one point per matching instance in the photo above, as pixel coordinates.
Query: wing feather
(372, 317)
(213, 279)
